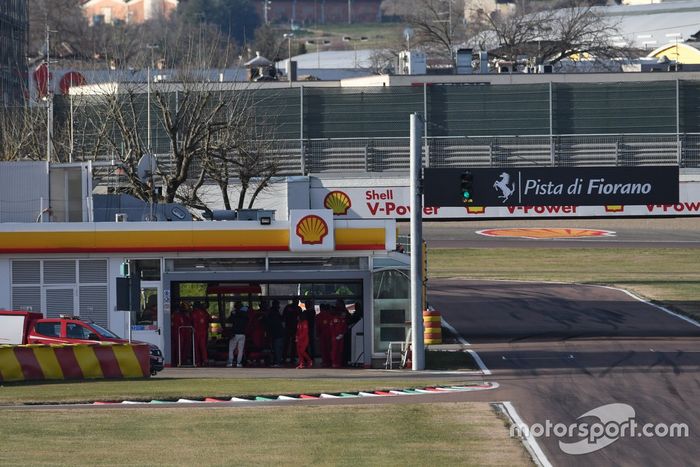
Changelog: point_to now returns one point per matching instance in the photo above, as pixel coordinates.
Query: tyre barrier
(37, 362)
(432, 327)
(318, 397)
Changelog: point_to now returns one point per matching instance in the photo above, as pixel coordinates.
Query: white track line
(479, 362)
(659, 307)
(530, 442)
(454, 332)
(484, 369)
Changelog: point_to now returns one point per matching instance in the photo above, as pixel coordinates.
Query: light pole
(49, 124)
(417, 344)
(353, 41)
(149, 146)
(267, 6)
(49, 97)
(318, 44)
(148, 99)
(289, 36)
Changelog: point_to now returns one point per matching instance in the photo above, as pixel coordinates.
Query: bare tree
(242, 152)
(64, 18)
(270, 42)
(438, 25)
(208, 133)
(22, 133)
(551, 35)
(238, 148)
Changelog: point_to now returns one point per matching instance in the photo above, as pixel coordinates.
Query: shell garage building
(132, 276)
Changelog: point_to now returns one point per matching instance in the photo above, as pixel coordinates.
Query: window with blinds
(59, 272)
(93, 303)
(60, 302)
(53, 283)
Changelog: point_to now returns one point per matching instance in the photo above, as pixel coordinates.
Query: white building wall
(24, 191)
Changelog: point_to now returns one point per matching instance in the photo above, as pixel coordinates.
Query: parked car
(18, 327)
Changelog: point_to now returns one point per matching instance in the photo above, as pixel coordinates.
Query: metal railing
(392, 154)
(377, 155)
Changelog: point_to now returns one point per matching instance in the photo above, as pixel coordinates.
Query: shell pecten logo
(338, 202)
(548, 233)
(311, 230)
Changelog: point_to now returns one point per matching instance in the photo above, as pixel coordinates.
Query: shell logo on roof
(338, 202)
(614, 208)
(311, 230)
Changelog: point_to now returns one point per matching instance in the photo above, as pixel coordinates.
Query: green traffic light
(466, 195)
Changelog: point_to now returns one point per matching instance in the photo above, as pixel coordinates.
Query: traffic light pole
(417, 345)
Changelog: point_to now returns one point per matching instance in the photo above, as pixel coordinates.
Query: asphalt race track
(629, 233)
(559, 351)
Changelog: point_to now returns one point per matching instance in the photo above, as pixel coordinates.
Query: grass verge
(173, 388)
(404, 434)
(665, 275)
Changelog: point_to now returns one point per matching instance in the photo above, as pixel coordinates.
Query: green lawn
(377, 34)
(670, 276)
(414, 434)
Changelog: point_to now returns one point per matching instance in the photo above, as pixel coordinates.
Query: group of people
(289, 333)
(269, 334)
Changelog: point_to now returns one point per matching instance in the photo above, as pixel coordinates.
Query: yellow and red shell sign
(614, 208)
(311, 230)
(475, 209)
(338, 202)
(546, 233)
(181, 237)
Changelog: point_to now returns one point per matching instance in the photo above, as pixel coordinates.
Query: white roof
(650, 26)
(333, 59)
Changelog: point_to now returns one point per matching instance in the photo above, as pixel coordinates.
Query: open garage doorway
(271, 314)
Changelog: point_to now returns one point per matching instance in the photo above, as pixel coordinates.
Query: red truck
(26, 327)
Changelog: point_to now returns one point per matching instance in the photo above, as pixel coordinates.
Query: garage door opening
(203, 322)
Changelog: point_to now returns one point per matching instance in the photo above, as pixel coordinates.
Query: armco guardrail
(73, 361)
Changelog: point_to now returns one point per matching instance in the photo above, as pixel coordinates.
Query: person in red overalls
(255, 335)
(200, 319)
(176, 320)
(303, 341)
(339, 326)
(185, 334)
(323, 328)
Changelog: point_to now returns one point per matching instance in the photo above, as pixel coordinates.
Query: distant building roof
(335, 59)
(651, 26)
(685, 53)
(258, 60)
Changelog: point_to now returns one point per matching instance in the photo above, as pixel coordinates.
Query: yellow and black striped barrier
(73, 362)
